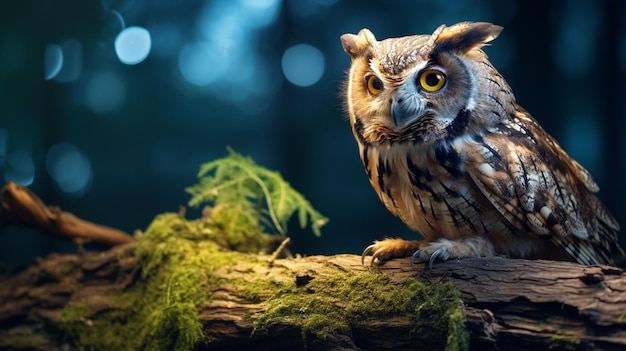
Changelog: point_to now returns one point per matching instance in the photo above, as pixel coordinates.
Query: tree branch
(21, 207)
(509, 304)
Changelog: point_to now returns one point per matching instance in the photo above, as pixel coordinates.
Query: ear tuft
(465, 36)
(354, 45)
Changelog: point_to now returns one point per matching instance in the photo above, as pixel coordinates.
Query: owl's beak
(404, 111)
(396, 113)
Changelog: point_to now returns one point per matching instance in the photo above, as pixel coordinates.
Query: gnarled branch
(21, 207)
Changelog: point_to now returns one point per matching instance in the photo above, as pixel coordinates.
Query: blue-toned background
(108, 107)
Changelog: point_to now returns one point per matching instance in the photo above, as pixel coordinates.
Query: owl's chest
(429, 189)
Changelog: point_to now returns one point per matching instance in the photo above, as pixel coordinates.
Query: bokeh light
(133, 45)
(201, 63)
(259, 13)
(228, 20)
(19, 168)
(303, 65)
(226, 56)
(69, 168)
(167, 40)
(226, 59)
(112, 25)
(105, 93)
(52, 61)
(72, 65)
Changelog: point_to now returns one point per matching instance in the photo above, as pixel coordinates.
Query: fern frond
(238, 182)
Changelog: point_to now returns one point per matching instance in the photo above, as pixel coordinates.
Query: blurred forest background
(107, 108)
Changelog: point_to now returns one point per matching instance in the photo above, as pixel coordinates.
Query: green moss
(159, 312)
(340, 302)
(179, 259)
(458, 336)
(260, 290)
(179, 264)
(563, 342)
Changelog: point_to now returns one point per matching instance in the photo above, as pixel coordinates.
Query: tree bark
(509, 304)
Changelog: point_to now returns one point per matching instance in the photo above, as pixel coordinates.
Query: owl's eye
(432, 80)
(374, 85)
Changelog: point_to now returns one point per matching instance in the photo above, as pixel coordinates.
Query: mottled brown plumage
(449, 151)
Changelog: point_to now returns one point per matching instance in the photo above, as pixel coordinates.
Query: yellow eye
(432, 80)
(374, 85)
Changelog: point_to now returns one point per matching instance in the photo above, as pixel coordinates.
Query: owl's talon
(368, 250)
(415, 255)
(434, 257)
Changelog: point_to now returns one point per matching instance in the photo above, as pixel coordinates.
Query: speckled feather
(472, 171)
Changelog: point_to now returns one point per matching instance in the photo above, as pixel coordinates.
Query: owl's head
(424, 87)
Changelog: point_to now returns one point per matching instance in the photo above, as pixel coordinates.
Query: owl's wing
(538, 188)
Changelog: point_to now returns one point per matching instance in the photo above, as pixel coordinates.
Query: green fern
(260, 196)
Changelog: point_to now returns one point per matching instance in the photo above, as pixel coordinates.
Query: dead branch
(23, 208)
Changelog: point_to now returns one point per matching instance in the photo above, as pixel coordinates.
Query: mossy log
(507, 304)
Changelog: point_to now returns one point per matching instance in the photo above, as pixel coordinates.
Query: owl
(449, 151)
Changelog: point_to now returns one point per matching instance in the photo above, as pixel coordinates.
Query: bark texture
(509, 304)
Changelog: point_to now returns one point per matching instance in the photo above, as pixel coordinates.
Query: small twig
(277, 252)
(80, 245)
(182, 211)
(21, 207)
(137, 234)
(206, 212)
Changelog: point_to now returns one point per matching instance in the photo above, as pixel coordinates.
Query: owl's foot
(387, 249)
(444, 249)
